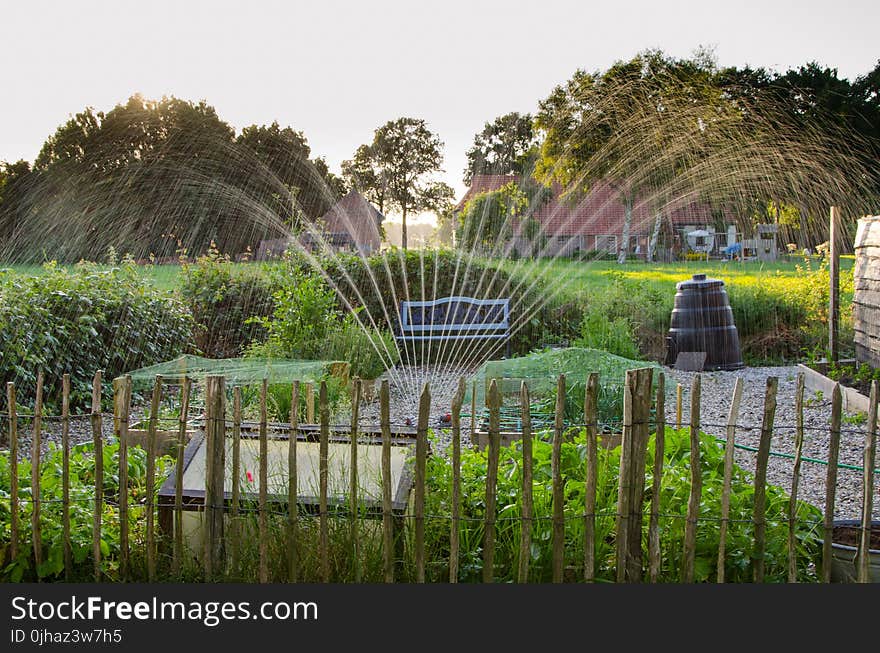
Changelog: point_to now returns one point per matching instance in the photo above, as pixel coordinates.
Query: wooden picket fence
(222, 541)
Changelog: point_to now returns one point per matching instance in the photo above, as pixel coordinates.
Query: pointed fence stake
(760, 518)
(864, 558)
(591, 421)
(693, 509)
(419, 504)
(456, 481)
(654, 560)
(99, 473)
(795, 477)
(831, 482)
(491, 482)
(527, 517)
(732, 416)
(558, 542)
(387, 516)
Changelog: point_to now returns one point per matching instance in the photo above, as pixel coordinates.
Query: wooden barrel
(866, 295)
(702, 321)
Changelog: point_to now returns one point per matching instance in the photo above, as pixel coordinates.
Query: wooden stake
(387, 521)
(324, 536)
(591, 420)
(473, 408)
(623, 493)
(457, 400)
(558, 483)
(527, 517)
(65, 474)
(657, 476)
(353, 480)
(795, 477)
(293, 488)
(761, 479)
(36, 533)
(178, 477)
(215, 471)
(121, 412)
(310, 403)
(693, 510)
(494, 400)
(732, 416)
(834, 279)
(419, 503)
(864, 558)
(678, 396)
(234, 518)
(151, 478)
(264, 482)
(831, 481)
(97, 427)
(13, 471)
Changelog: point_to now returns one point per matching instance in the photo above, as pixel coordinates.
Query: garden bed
(854, 390)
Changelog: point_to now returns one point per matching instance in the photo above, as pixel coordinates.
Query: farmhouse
(352, 224)
(593, 223)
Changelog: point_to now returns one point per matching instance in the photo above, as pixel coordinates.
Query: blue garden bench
(455, 318)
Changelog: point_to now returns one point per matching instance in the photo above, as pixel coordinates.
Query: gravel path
(405, 385)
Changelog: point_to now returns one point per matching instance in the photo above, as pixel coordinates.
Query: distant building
(594, 222)
(352, 224)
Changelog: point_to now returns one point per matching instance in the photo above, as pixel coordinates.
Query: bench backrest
(455, 314)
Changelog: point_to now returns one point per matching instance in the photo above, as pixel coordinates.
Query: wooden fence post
(527, 518)
(65, 474)
(387, 518)
(657, 476)
(795, 477)
(36, 453)
(215, 471)
(324, 526)
(178, 477)
(558, 488)
(293, 487)
(834, 280)
(121, 408)
(151, 478)
(831, 481)
(678, 397)
(491, 482)
(97, 427)
(732, 416)
(419, 503)
(631, 488)
(264, 481)
(591, 421)
(310, 403)
(235, 507)
(353, 479)
(693, 509)
(457, 400)
(761, 478)
(13, 471)
(864, 559)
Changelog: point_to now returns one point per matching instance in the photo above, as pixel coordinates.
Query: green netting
(240, 371)
(540, 371)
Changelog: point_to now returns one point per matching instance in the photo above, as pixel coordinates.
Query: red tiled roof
(600, 211)
(355, 216)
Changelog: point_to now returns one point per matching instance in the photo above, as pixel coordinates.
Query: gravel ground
(405, 385)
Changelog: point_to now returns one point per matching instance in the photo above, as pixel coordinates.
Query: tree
(395, 169)
(506, 146)
(486, 222)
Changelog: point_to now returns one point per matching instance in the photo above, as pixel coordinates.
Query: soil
(851, 535)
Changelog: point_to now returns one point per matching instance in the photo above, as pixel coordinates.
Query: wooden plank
(14, 528)
(387, 518)
(264, 483)
(494, 402)
(527, 516)
(795, 477)
(215, 466)
(864, 557)
(419, 502)
(732, 416)
(324, 525)
(293, 488)
(235, 507)
(455, 461)
(624, 477)
(558, 483)
(761, 479)
(151, 479)
(121, 413)
(177, 555)
(99, 473)
(696, 490)
(591, 421)
(353, 480)
(65, 474)
(36, 533)
(831, 482)
(654, 559)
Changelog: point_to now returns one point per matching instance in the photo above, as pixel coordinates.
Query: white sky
(338, 70)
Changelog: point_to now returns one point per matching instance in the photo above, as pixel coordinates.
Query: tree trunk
(627, 224)
(655, 235)
(403, 229)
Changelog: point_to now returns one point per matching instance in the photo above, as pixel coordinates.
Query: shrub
(81, 321)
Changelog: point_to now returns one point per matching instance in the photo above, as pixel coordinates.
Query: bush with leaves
(82, 320)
